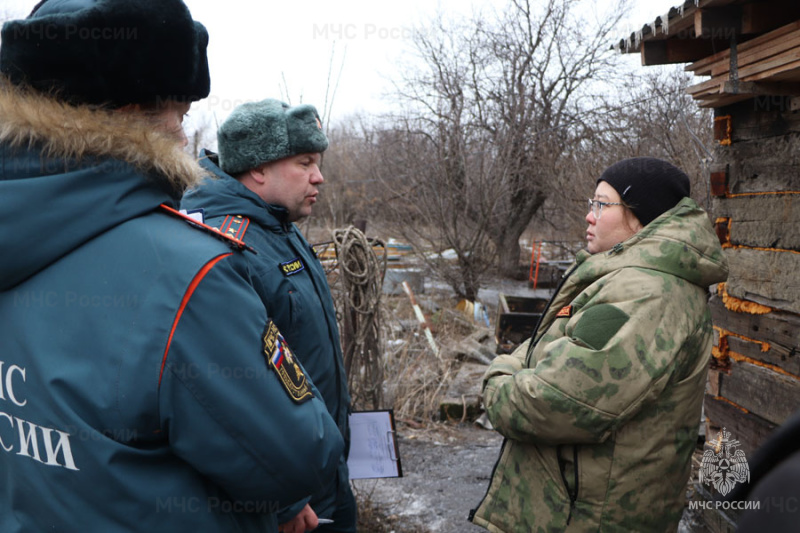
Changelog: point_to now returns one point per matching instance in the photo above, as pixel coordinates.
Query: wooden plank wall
(754, 383)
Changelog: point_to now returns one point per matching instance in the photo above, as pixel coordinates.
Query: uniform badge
(565, 312)
(281, 359)
(290, 268)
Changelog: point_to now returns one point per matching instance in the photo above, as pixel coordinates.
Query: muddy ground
(446, 471)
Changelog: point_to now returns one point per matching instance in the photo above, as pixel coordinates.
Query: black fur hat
(112, 52)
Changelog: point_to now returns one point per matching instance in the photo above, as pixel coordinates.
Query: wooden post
(421, 318)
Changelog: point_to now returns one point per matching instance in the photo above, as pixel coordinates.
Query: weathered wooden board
(763, 392)
(767, 165)
(780, 330)
(704, 66)
(769, 221)
(765, 277)
(750, 430)
(758, 55)
(762, 117)
(787, 361)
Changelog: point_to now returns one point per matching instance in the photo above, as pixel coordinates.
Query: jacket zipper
(572, 495)
(534, 339)
(491, 478)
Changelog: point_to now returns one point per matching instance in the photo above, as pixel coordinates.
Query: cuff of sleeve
(287, 513)
(503, 365)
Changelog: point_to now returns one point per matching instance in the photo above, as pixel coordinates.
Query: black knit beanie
(649, 186)
(113, 52)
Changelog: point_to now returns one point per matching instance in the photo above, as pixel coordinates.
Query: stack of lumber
(768, 64)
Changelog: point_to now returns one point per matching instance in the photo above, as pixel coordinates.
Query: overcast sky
(283, 49)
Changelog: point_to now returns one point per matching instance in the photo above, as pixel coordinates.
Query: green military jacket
(601, 409)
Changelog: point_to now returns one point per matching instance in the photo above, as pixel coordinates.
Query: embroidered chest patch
(290, 268)
(281, 359)
(565, 312)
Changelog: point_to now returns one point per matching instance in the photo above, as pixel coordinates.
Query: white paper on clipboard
(373, 447)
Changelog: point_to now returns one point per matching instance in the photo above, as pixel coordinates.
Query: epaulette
(235, 226)
(224, 237)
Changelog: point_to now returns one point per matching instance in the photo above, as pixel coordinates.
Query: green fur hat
(261, 132)
(112, 52)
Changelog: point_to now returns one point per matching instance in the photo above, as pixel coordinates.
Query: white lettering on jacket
(42, 444)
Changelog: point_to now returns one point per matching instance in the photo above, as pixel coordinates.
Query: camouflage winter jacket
(601, 410)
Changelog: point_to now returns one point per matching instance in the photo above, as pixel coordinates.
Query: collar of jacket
(63, 131)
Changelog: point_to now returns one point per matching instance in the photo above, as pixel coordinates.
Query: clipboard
(373, 445)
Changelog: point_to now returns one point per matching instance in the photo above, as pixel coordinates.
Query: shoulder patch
(281, 359)
(290, 268)
(230, 240)
(235, 226)
(565, 312)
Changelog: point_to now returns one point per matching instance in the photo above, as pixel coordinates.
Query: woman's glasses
(596, 207)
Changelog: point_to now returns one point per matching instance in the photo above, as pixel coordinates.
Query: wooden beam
(764, 220)
(749, 429)
(765, 277)
(669, 51)
(758, 54)
(762, 392)
(761, 17)
(780, 332)
(761, 88)
(722, 24)
(703, 67)
(718, 101)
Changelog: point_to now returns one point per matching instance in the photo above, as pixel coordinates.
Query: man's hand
(305, 520)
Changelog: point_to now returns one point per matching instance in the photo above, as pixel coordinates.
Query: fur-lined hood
(75, 132)
(68, 174)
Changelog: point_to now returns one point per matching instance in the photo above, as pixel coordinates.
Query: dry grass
(415, 376)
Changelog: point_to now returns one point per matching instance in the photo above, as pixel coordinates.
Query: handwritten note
(373, 447)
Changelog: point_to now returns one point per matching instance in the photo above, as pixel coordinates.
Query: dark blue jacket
(292, 284)
(137, 392)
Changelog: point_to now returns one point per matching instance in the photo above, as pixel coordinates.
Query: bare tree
(201, 131)
(650, 114)
(660, 119)
(500, 103)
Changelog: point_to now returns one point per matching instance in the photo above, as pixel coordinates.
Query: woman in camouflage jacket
(601, 408)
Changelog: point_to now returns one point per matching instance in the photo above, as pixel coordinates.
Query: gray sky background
(288, 50)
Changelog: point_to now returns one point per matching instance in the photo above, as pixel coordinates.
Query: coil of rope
(362, 274)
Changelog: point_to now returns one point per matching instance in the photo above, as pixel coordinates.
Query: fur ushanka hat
(113, 52)
(262, 132)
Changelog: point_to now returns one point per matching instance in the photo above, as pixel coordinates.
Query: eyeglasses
(596, 207)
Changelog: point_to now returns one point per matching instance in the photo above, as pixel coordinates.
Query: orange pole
(538, 260)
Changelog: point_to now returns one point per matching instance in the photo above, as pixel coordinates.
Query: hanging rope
(362, 274)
